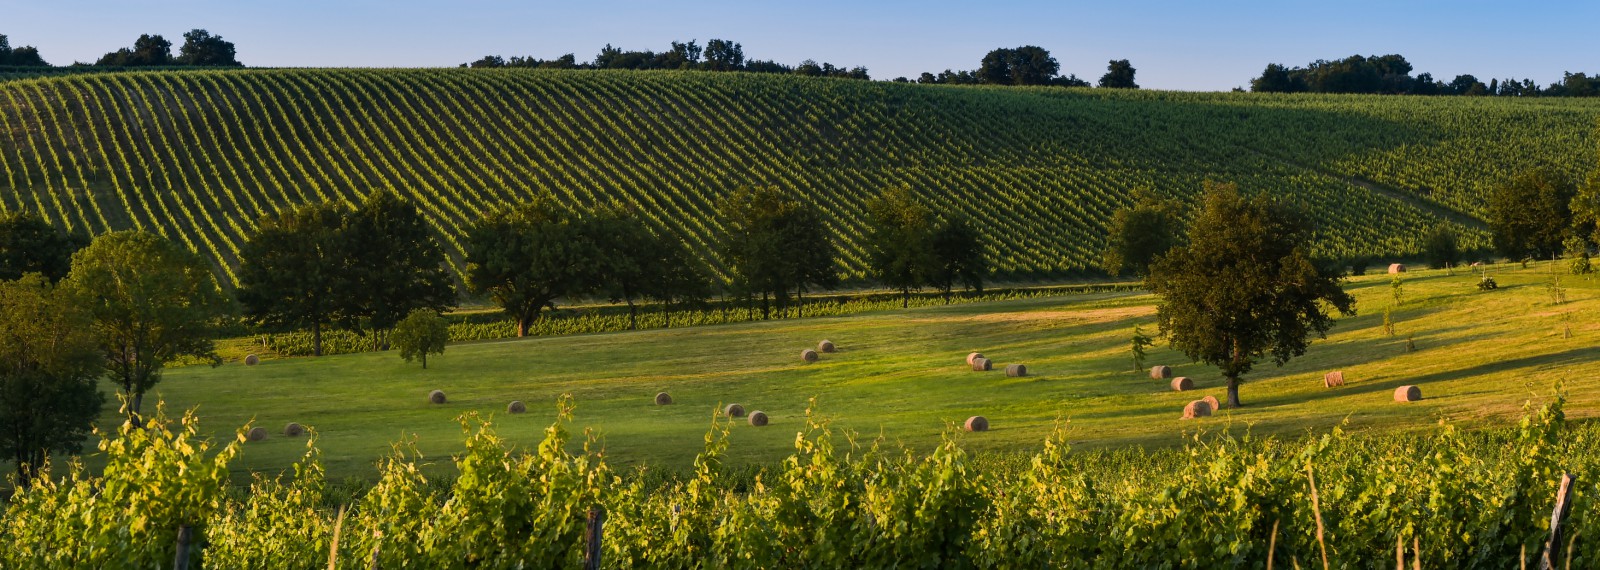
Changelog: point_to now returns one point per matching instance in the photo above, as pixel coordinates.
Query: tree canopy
(1530, 213)
(421, 333)
(527, 256)
(202, 48)
(24, 56)
(958, 256)
(29, 244)
(392, 261)
(148, 50)
(900, 242)
(1141, 233)
(1244, 288)
(49, 371)
(1391, 75)
(1119, 75)
(716, 55)
(152, 302)
(292, 272)
(775, 245)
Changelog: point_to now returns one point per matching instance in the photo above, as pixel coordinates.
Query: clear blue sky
(1191, 45)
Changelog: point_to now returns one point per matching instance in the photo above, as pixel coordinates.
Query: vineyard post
(181, 561)
(591, 538)
(1552, 547)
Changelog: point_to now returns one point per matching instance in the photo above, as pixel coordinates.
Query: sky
(1174, 44)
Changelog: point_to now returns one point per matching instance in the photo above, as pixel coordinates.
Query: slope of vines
(199, 156)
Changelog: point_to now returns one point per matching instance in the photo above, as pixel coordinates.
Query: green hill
(199, 156)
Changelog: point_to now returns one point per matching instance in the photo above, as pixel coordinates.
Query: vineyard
(200, 156)
(1444, 500)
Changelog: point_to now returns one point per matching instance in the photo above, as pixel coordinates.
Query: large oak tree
(1245, 287)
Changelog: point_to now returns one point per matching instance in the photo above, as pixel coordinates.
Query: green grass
(199, 156)
(900, 374)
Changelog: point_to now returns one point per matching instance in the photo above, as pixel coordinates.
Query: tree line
(1028, 65)
(126, 304)
(716, 55)
(1391, 75)
(200, 48)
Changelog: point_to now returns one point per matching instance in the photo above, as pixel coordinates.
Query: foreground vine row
(1450, 499)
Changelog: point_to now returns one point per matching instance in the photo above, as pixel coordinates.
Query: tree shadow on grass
(1387, 384)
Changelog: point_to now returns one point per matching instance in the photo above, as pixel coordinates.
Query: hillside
(199, 156)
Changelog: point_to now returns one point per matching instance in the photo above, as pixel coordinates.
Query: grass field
(1478, 357)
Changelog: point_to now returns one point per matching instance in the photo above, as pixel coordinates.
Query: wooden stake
(1316, 509)
(181, 561)
(1552, 546)
(591, 550)
(1272, 545)
(333, 549)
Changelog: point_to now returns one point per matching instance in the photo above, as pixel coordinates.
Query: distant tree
(774, 245)
(1580, 85)
(487, 62)
(50, 366)
(900, 241)
(1468, 85)
(1244, 287)
(392, 263)
(1441, 246)
(148, 50)
(202, 48)
(1276, 79)
(1119, 75)
(633, 260)
(766, 66)
(293, 272)
(527, 256)
(1529, 214)
(28, 244)
(681, 56)
(958, 257)
(1026, 65)
(1141, 233)
(25, 56)
(723, 55)
(152, 302)
(421, 333)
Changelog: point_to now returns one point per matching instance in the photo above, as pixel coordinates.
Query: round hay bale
(734, 411)
(1016, 370)
(663, 399)
(291, 430)
(982, 365)
(808, 355)
(1197, 409)
(1407, 394)
(977, 423)
(1182, 383)
(758, 418)
(973, 356)
(1160, 372)
(1397, 268)
(436, 396)
(516, 407)
(825, 346)
(1215, 405)
(252, 360)
(256, 434)
(1333, 379)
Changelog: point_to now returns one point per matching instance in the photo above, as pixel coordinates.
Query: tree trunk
(133, 410)
(1233, 393)
(316, 339)
(905, 297)
(424, 359)
(799, 303)
(633, 316)
(766, 309)
(522, 326)
(947, 296)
